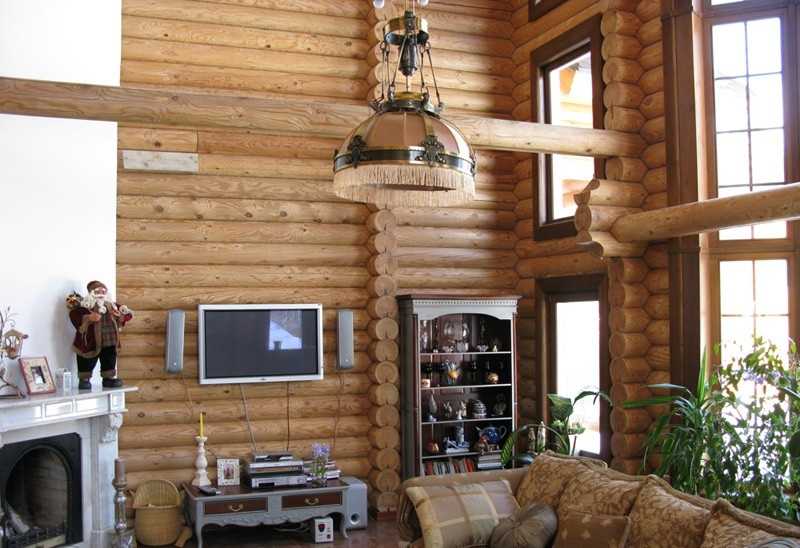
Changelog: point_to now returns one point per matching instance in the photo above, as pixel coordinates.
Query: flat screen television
(259, 343)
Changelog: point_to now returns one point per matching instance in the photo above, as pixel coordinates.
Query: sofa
(656, 515)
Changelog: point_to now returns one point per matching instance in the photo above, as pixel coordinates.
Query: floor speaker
(174, 347)
(355, 503)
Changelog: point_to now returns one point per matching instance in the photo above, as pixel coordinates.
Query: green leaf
(561, 407)
(509, 443)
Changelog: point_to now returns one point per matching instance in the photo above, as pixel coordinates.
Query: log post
(384, 330)
(781, 203)
(286, 115)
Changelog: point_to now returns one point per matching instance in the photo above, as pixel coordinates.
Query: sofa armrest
(407, 522)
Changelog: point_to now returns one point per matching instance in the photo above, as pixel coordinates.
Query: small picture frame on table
(37, 375)
(227, 472)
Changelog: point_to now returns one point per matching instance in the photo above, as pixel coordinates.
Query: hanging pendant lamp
(405, 154)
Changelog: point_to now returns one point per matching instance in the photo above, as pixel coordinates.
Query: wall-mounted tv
(259, 343)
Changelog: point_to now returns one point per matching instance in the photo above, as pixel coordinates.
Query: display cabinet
(459, 381)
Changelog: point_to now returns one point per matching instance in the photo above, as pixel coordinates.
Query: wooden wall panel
(258, 222)
(632, 51)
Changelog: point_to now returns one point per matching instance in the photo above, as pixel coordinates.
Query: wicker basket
(158, 513)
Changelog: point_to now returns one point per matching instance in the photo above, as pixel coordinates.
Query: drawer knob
(235, 507)
(312, 501)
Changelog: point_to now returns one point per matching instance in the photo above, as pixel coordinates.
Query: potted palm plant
(563, 431)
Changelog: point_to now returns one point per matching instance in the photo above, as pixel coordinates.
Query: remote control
(209, 490)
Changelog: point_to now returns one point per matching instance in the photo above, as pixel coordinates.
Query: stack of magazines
(273, 470)
(489, 461)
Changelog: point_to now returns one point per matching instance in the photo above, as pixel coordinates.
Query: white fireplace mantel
(96, 416)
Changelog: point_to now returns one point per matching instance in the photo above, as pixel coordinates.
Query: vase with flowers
(320, 454)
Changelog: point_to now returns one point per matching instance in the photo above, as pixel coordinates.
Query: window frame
(749, 10)
(553, 53)
(540, 9)
(715, 250)
(549, 292)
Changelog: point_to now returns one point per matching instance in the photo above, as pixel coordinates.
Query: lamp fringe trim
(374, 184)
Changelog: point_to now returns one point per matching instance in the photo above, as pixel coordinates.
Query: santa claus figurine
(98, 322)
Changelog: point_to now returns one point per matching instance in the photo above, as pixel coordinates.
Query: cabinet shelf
(457, 386)
(427, 354)
(428, 322)
(456, 455)
(456, 421)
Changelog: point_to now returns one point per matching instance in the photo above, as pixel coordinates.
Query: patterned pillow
(665, 518)
(461, 515)
(733, 528)
(547, 477)
(592, 531)
(598, 491)
(777, 543)
(531, 527)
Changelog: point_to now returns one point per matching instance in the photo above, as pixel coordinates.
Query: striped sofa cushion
(461, 515)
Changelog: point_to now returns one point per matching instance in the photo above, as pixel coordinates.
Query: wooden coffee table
(240, 505)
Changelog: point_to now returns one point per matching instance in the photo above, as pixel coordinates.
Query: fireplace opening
(41, 492)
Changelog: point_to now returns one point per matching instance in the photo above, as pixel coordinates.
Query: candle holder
(123, 537)
(201, 463)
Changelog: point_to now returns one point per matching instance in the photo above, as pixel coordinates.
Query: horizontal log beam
(781, 203)
(147, 106)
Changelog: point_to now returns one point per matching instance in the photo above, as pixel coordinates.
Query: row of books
(450, 466)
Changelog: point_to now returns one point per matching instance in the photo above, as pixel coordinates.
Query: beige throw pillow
(596, 491)
(548, 475)
(458, 516)
(733, 528)
(578, 529)
(665, 518)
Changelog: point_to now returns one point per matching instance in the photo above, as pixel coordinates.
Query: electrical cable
(247, 420)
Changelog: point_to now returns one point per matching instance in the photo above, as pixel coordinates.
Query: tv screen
(259, 343)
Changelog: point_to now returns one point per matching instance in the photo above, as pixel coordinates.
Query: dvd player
(260, 482)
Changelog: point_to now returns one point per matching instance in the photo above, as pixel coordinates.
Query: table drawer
(235, 506)
(306, 501)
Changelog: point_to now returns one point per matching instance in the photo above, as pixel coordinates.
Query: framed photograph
(37, 375)
(227, 471)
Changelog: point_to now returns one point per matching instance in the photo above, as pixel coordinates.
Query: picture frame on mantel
(37, 375)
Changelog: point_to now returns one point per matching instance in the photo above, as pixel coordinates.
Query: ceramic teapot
(492, 434)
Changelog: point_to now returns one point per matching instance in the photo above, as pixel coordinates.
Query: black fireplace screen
(40, 492)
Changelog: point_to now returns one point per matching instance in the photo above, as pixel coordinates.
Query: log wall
(539, 259)
(257, 222)
(253, 219)
(639, 285)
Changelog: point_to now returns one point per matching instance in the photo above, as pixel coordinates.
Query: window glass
(754, 301)
(569, 101)
(577, 365)
(748, 108)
